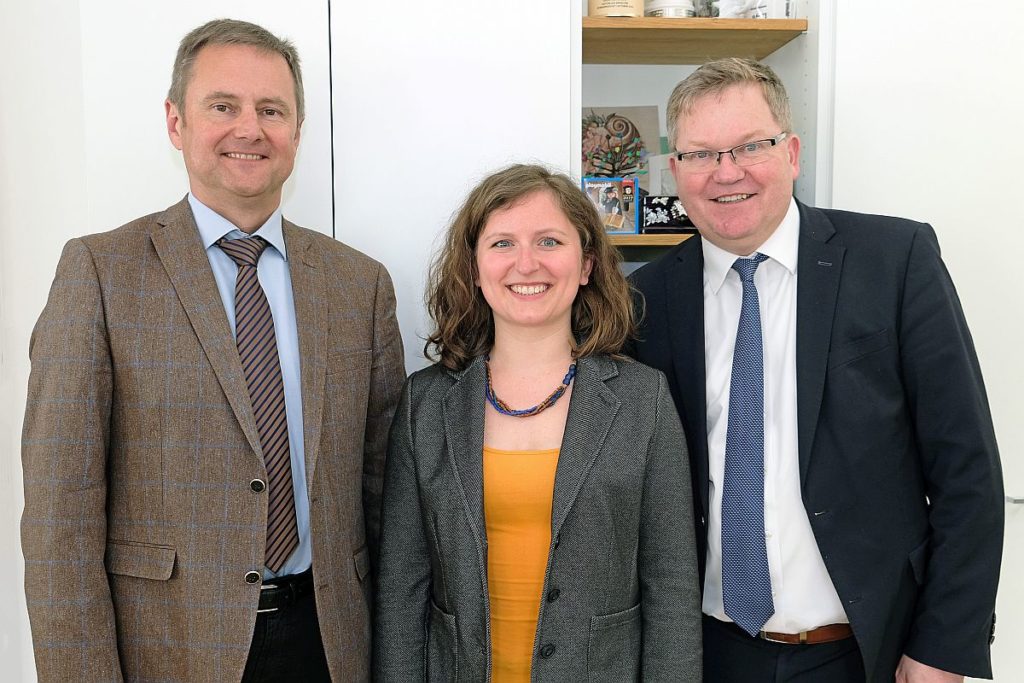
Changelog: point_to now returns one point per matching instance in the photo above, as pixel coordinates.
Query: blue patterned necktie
(746, 583)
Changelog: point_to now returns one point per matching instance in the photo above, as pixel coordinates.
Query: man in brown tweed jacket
(156, 542)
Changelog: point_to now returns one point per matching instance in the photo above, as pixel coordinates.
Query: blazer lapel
(684, 294)
(819, 267)
(180, 249)
(309, 292)
(463, 415)
(592, 409)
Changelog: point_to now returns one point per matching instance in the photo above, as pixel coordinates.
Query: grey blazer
(620, 599)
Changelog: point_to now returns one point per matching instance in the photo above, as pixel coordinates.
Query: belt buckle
(264, 587)
(766, 635)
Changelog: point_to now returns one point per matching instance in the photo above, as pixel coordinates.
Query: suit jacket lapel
(463, 415)
(684, 296)
(819, 267)
(180, 249)
(309, 293)
(592, 409)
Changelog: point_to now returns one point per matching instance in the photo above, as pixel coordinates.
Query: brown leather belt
(822, 634)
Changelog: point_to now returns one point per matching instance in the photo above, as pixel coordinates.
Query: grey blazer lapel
(180, 249)
(819, 268)
(309, 292)
(463, 415)
(592, 409)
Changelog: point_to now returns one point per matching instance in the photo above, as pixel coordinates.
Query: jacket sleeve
(65, 445)
(960, 464)
(403, 589)
(667, 564)
(387, 373)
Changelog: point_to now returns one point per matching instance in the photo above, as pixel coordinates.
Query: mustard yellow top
(518, 487)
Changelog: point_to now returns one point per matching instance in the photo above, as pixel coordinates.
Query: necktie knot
(245, 251)
(746, 267)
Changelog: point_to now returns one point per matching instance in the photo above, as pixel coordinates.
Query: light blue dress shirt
(276, 281)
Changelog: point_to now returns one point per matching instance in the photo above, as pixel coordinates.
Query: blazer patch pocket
(141, 560)
(613, 653)
(850, 351)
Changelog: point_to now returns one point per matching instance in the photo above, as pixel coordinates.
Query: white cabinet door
(428, 98)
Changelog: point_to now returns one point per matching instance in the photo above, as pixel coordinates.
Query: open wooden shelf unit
(657, 40)
(656, 240)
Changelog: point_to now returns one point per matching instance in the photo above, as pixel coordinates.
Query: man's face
(736, 207)
(239, 131)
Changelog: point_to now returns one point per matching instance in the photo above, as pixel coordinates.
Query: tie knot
(245, 251)
(747, 266)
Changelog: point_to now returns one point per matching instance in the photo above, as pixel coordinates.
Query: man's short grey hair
(714, 77)
(231, 32)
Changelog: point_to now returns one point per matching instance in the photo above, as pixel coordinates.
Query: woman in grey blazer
(544, 543)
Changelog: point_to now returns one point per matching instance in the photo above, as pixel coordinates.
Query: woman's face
(530, 265)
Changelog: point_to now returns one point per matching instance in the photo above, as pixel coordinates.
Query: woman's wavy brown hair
(602, 313)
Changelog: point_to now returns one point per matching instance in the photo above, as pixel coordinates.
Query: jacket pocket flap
(362, 560)
(919, 561)
(143, 560)
(850, 351)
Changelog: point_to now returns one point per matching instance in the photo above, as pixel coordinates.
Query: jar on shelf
(668, 8)
(615, 8)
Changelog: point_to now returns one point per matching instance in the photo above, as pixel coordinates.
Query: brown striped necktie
(257, 348)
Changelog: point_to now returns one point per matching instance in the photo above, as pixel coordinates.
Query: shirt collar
(212, 226)
(781, 246)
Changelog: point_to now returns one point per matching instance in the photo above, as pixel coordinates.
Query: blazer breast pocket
(849, 352)
(355, 361)
(141, 560)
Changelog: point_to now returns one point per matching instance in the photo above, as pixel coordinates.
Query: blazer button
(547, 651)
(252, 577)
(553, 594)
(258, 485)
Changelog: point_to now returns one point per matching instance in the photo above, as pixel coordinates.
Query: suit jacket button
(547, 651)
(553, 594)
(258, 485)
(252, 577)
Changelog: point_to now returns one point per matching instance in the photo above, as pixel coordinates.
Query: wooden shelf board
(657, 240)
(657, 40)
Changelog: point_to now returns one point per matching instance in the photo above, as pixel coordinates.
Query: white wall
(928, 116)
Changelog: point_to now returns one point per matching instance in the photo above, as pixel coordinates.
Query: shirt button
(553, 594)
(252, 577)
(547, 651)
(258, 485)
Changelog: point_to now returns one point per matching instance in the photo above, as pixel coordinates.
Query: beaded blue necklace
(505, 409)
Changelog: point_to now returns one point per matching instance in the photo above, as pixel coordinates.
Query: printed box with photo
(617, 202)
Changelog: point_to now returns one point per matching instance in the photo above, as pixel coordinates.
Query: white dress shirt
(802, 591)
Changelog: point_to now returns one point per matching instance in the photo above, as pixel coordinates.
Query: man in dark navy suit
(848, 486)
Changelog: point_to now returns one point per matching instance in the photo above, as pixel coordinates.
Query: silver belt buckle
(763, 635)
(267, 586)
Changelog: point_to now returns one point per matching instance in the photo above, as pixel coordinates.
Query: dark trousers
(286, 646)
(732, 656)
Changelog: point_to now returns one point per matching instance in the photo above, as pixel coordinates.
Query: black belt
(282, 591)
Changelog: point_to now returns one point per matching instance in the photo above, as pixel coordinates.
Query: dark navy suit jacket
(898, 461)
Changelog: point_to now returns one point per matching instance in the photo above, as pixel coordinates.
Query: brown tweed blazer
(140, 443)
